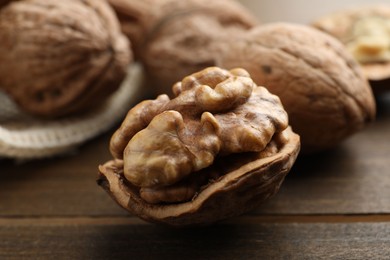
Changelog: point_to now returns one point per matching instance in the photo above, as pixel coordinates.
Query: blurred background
(299, 11)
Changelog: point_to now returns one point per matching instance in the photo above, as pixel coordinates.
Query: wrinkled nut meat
(365, 31)
(61, 57)
(171, 32)
(220, 147)
(320, 85)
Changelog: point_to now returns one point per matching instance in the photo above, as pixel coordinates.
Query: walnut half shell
(245, 183)
(216, 150)
(365, 31)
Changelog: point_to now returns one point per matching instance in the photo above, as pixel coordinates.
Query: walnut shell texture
(141, 20)
(174, 38)
(246, 181)
(61, 57)
(341, 23)
(320, 85)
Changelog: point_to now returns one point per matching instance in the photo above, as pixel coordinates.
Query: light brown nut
(365, 31)
(136, 120)
(220, 121)
(61, 57)
(215, 112)
(320, 85)
(168, 150)
(175, 35)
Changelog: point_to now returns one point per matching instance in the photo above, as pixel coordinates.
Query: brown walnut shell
(171, 32)
(340, 24)
(247, 181)
(61, 57)
(320, 85)
(220, 147)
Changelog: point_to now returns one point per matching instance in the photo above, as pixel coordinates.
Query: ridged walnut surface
(61, 57)
(192, 25)
(320, 85)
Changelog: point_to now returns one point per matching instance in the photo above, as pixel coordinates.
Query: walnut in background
(320, 84)
(192, 26)
(61, 57)
(365, 31)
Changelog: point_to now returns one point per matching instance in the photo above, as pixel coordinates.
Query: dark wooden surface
(334, 205)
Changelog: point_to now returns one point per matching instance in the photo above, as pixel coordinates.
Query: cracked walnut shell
(220, 147)
(61, 57)
(365, 31)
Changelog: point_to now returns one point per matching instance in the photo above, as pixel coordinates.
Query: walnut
(178, 160)
(365, 31)
(61, 57)
(192, 26)
(321, 86)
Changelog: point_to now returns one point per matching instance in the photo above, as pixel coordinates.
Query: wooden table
(334, 205)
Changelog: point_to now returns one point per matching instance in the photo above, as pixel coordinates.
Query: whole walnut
(61, 57)
(321, 86)
(219, 148)
(365, 31)
(144, 22)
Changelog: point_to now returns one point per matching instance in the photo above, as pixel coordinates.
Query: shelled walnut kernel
(218, 132)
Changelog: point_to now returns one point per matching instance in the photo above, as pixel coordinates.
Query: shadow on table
(214, 242)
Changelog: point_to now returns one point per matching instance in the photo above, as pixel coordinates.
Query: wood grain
(334, 205)
(224, 241)
(353, 178)
(63, 186)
